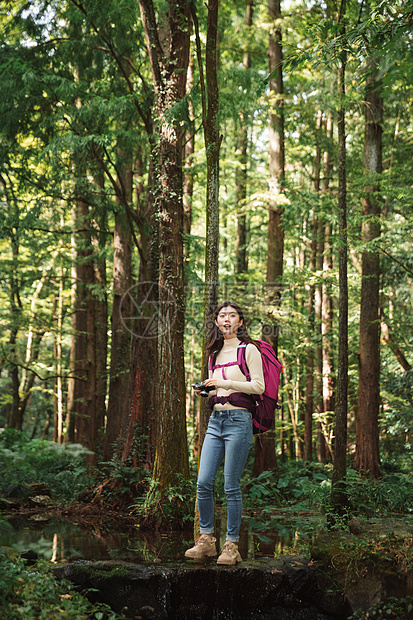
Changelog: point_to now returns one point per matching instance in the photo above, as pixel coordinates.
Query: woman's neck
(231, 342)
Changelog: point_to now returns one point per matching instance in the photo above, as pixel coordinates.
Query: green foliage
(262, 491)
(392, 607)
(33, 593)
(267, 500)
(392, 494)
(305, 489)
(359, 551)
(24, 462)
(168, 508)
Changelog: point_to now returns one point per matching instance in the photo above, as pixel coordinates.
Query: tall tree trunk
(338, 495)
(367, 455)
(13, 416)
(210, 122)
(58, 418)
(265, 457)
(169, 69)
(70, 404)
(101, 332)
(318, 240)
(82, 406)
(327, 300)
(139, 418)
(241, 170)
(121, 310)
(189, 149)
(210, 109)
(277, 159)
(309, 389)
(318, 303)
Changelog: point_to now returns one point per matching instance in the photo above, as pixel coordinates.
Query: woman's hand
(211, 382)
(207, 383)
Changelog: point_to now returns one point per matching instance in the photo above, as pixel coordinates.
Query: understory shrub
(33, 593)
(393, 493)
(62, 469)
(169, 508)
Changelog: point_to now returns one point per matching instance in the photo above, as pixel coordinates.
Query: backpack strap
(242, 362)
(212, 366)
(211, 360)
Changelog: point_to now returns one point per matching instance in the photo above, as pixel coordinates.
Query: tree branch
(396, 260)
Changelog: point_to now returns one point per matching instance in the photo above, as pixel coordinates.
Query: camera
(204, 388)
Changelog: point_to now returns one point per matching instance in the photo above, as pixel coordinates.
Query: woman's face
(228, 322)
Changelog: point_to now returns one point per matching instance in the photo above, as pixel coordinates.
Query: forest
(157, 157)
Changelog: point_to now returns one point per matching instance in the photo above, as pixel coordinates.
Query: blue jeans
(229, 435)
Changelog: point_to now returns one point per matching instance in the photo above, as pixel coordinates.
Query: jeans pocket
(240, 417)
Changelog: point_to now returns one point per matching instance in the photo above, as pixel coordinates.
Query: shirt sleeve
(257, 383)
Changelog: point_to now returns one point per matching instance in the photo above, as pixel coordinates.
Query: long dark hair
(216, 337)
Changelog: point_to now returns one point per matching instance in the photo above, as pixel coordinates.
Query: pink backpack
(264, 404)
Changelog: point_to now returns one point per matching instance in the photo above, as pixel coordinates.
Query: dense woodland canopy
(157, 156)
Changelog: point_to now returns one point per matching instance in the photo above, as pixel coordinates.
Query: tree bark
(58, 417)
(277, 158)
(122, 308)
(82, 404)
(275, 254)
(241, 171)
(13, 416)
(169, 69)
(210, 121)
(367, 455)
(139, 419)
(327, 311)
(318, 303)
(309, 387)
(101, 332)
(189, 150)
(338, 495)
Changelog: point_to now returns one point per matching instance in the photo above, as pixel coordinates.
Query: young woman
(229, 432)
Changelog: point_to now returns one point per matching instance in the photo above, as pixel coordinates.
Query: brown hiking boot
(203, 548)
(230, 554)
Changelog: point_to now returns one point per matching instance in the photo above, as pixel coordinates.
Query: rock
(357, 526)
(41, 500)
(284, 588)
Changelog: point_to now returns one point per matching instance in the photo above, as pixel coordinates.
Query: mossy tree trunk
(210, 109)
(169, 60)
